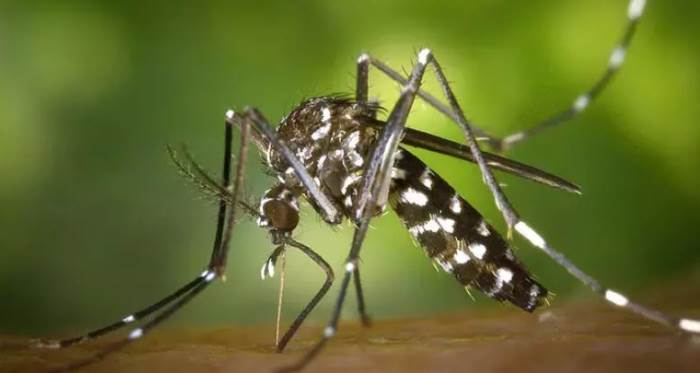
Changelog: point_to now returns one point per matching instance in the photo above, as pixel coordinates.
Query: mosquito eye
(281, 214)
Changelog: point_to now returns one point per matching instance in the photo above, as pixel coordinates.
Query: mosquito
(335, 153)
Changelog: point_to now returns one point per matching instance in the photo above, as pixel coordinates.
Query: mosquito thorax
(331, 138)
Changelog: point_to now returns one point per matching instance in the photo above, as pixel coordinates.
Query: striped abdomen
(456, 236)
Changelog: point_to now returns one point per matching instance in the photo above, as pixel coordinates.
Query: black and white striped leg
(374, 194)
(131, 318)
(314, 301)
(635, 9)
(138, 333)
(612, 296)
(225, 225)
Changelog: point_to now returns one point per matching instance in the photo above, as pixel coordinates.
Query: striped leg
(216, 267)
(134, 317)
(612, 296)
(137, 333)
(635, 9)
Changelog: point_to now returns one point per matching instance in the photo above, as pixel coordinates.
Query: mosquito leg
(314, 301)
(220, 254)
(332, 327)
(361, 309)
(189, 291)
(361, 95)
(136, 316)
(612, 296)
(373, 194)
(140, 332)
(635, 9)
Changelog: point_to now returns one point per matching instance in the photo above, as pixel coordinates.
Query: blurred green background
(95, 222)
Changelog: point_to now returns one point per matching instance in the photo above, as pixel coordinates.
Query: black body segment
(456, 236)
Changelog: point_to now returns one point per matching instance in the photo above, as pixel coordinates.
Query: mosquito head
(279, 213)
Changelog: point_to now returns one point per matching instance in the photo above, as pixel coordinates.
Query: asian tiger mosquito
(348, 164)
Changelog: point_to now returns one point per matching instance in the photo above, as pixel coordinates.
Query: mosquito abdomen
(456, 236)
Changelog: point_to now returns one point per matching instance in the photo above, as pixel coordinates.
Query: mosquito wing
(438, 144)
